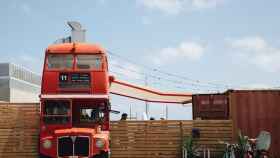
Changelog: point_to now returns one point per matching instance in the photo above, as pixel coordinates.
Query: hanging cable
(169, 74)
(176, 82)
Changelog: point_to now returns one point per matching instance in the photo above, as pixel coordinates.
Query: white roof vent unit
(78, 35)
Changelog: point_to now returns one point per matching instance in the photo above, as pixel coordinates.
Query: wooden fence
(19, 125)
(163, 139)
(140, 139)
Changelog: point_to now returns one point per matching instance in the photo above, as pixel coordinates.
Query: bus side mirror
(111, 79)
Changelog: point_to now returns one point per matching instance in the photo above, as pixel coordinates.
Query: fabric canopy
(147, 94)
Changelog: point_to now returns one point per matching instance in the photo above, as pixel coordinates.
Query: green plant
(190, 147)
(243, 145)
(229, 150)
(238, 150)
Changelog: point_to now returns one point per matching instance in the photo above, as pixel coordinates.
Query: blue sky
(226, 42)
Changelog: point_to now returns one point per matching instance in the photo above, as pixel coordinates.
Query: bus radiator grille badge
(73, 138)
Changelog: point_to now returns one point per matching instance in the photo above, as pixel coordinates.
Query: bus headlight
(100, 143)
(47, 144)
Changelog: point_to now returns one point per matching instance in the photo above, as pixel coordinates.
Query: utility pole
(130, 115)
(147, 104)
(166, 112)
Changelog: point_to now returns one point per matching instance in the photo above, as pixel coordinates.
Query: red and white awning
(147, 94)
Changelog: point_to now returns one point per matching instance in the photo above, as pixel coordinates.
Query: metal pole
(204, 153)
(166, 112)
(147, 105)
(130, 112)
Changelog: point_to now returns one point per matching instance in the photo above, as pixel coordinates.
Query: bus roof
(75, 48)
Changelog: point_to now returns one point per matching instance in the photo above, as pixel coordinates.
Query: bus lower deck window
(56, 112)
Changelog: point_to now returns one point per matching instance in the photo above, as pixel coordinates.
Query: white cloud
(187, 50)
(191, 50)
(204, 4)
(177, 6)
(257, 51)
(168, 6)
(250, 43)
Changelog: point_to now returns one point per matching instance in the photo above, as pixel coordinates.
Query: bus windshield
(60, 61)
(89, 62)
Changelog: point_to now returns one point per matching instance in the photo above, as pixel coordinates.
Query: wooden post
(182, 136)
(232, 114)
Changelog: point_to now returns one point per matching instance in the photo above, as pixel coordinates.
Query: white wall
(19, 96)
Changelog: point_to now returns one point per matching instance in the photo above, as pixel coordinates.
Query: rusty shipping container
(255, 110)
(210, 106)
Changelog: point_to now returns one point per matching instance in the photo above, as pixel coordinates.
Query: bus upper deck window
(60, 61)
(89, 62)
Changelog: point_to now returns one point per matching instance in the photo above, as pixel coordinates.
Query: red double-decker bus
(75, 101)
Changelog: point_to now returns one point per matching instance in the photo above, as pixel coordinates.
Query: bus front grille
(81, 146)
(73, 146)
(65, 146)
